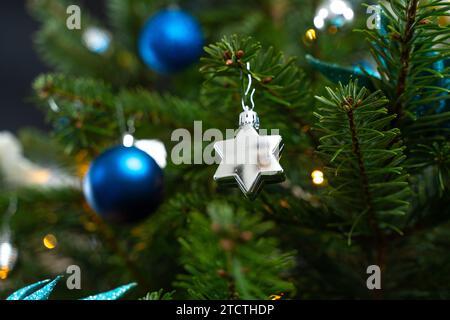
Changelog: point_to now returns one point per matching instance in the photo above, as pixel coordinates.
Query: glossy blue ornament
(170, 41)
(124, 184)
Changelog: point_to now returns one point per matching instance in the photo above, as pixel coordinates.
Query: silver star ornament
(249, 159)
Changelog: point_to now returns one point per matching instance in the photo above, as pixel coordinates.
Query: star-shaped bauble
(250, 160)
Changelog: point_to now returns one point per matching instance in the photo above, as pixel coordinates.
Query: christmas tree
(359, 94)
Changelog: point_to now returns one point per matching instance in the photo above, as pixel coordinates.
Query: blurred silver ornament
(96, 40)
(333, 13)
(8, 256)
(8, 252)
(19, 171)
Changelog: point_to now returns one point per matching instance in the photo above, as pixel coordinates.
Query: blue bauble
(124, 184)
(170, 41)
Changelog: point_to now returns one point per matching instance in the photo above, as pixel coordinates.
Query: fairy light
(317, 177)
(276, 296)
(4, 273)
(50, 241)
(311, 34)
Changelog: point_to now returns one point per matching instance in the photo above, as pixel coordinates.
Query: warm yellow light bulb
(4, 273)
(311, 34)
(50, 241)
(276, 296)
(317, 177)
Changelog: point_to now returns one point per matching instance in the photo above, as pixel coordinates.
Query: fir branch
(128, 17)
(405, 55)
(66, 51)
(364, 165)
(111, 239)
(159, 295)
(89, 107)
(349, 105)
(227, 256)
(410, 51)
(365, 172)
(78, 101)
(282, 90)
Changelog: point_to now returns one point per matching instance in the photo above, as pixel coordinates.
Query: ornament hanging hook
(126, 126)
(249, 86)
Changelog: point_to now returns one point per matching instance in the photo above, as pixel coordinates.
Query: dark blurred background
(19, 65)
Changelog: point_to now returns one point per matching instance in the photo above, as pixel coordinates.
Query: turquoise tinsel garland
(30, 292)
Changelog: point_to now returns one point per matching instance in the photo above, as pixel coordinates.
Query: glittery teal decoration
(30, 292)
(337, 73)
(445, 83)
(113, 294)
(383, 31)
(442, 105)
(22, 293)
(441, 66)
(44, 292)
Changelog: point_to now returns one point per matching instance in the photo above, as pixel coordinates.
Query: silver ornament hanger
(249, 159)
(248, 116)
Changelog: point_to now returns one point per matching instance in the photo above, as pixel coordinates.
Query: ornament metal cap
(249, 117)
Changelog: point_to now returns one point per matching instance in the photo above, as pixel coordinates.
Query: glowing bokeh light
(317, 177)
(311, 34)
(319, 22)
(96, 39)
(50, 241)
(323, 13)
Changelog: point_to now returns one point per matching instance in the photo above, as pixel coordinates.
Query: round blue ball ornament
(124, 184)
(170, 41)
